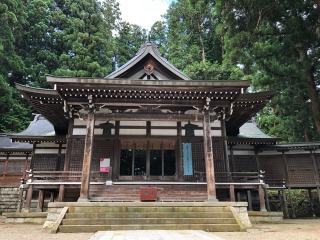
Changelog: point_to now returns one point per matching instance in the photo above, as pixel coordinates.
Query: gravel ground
(308, 229)
(290, 229)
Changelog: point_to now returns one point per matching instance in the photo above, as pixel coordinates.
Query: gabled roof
(149, 49)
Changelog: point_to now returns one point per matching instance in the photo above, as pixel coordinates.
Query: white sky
(143, 12)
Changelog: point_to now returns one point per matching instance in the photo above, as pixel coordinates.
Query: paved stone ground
(154, 235)
(290, 229)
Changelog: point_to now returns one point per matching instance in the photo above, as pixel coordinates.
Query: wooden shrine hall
(148, 126)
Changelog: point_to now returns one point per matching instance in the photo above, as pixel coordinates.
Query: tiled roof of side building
(251, 130)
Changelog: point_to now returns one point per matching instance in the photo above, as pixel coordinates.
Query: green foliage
(128, 41)
(15, 114)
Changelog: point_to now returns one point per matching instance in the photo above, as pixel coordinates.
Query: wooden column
(224, 136)
(262, 199)
(208, 154)
(25, 167)
(40, 200)
(249, 198)
(66, 165)
(87, 158)
(318, 192)
(231, 193)
(179, 154)
(27, 203)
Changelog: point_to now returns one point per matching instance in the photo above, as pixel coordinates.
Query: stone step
(205, 227)
(153, 209)
(143, 221)
(94, 215)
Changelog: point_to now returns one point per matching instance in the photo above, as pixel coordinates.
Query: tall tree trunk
(313, 95)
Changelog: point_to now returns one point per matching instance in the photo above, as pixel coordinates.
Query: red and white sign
(104, 165)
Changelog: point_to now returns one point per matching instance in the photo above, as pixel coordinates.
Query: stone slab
(154, 235)
(146, 204)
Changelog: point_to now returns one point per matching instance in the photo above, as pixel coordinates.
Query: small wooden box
(148, 194)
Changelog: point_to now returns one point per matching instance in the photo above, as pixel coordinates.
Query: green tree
(277, 43)
(129, 39)
(14, 115)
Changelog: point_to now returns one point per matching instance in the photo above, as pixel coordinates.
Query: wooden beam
(208, 154)
(87, 158)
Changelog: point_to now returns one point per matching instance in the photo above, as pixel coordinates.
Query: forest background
(274, 44)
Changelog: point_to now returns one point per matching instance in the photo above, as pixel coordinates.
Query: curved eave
(48, 103)
(103, 82)
(148, 49)
(244, 108)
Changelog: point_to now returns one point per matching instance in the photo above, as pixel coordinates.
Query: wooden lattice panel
(44, 162)
(245, 164)
(76, 147)
(219, 154)
(273, 167)
(300, 169)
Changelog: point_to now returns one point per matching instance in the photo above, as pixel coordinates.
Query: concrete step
(144, 221)
(205, 227)
(93, 215)
(137, 209)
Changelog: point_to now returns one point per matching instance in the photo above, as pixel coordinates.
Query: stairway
(131, 193)
(155, 216)
(9, 198)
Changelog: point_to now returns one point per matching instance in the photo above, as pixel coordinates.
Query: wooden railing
(64, 177)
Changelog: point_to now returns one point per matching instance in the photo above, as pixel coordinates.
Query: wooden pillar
(25, 167)
(311, 202)
(87, 157)
(66, 165)
(179, 154)
(249, 198)
(318, 192)
(27, 203)
(262, 199)
(285, 166)
(285, 204)
(40, 200)
(239, 196)
(232, 194)
(225, 143)
(208, 154)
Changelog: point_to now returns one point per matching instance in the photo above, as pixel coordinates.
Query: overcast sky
(143, 12)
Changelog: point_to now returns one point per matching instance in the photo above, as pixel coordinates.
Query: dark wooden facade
(150, 107)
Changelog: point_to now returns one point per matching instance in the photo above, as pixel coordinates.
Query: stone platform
(114, 216)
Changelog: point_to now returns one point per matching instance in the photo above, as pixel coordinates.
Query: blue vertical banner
(187, 159)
